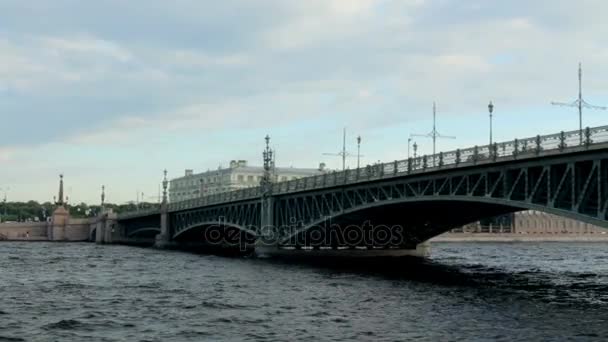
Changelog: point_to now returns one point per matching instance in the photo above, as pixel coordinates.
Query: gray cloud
(102, 72)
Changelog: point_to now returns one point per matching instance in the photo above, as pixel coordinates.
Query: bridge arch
(439, 213)
(208, 224)
(144, 232)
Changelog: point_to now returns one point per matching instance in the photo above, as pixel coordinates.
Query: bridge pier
(105, 227)
(268, 234)
(100, 230)
(163, 240)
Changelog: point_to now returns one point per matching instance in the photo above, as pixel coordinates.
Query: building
(538, 222)
(238, 176)
(531, 222)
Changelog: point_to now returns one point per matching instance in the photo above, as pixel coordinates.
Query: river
(465, 291)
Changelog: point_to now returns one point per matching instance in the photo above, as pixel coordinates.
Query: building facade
(238, 176)
(531, 222)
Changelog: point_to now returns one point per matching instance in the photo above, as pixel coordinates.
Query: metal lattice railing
(497, 152)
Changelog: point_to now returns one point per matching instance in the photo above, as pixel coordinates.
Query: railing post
(457, 156)
(440, 159)
(395, 167)
(588, 140)
(494, 151)
(409, 165)
(381, 166)
(562, 141)
(538, 144)
(424, 162)
(515, 148)
(475, 154)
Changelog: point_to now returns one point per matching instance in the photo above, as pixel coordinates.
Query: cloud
(107, 76)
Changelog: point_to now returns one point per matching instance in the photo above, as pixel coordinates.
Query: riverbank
(508, 237)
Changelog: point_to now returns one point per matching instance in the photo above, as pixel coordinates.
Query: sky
(113, 92)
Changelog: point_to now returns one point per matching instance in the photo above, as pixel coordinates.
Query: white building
(238, 176)
(534, 222)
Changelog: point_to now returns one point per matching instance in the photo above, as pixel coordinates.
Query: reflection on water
(519, 291)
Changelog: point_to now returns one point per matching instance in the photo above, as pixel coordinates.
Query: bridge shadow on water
(489, 280)
(563, 289)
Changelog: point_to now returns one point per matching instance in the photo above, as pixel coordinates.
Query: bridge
(390, 208)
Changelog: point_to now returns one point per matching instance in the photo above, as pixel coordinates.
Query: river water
(464, 292)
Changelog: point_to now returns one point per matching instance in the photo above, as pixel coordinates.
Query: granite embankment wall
(74, 230)
(24, 231)
(519, 237)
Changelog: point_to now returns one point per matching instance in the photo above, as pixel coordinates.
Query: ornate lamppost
(103, 197)
(266, 178)
(491, 110)
(358, 151)
(165, 182)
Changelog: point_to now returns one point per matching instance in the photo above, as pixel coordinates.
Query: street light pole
(409, 141)
(491, 110)
(580, 103)
(4, 205)
(358, 151)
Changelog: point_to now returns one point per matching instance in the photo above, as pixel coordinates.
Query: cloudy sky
(112, 92)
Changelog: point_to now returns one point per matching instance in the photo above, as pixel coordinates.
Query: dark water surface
(466, 291)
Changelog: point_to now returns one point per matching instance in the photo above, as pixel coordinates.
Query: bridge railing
(500, 151)
(514, 149)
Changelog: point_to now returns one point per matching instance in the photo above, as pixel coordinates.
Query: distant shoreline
(508, 237)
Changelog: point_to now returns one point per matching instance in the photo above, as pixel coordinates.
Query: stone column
(109, 226)
(100, 230)
(163, 239)
(59, 221)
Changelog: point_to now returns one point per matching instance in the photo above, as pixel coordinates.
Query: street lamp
(358, 150)
(409, 141)
(4, 205)
(415, 149)
(491, 110)
(4, 201)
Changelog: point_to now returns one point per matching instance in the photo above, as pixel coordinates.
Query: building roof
(252, 169)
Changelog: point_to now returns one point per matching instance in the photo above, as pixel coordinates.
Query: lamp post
(409, 142)
(491, 110)
(4, 205)
(358, 150)
(4, 202)
(415, 149)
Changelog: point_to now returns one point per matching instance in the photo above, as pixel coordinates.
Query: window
(240, 178)
(283, 178)
(250, 179)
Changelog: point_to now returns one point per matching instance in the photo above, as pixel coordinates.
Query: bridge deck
(562, 143)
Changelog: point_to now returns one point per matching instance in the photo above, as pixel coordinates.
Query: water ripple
(505, 292)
